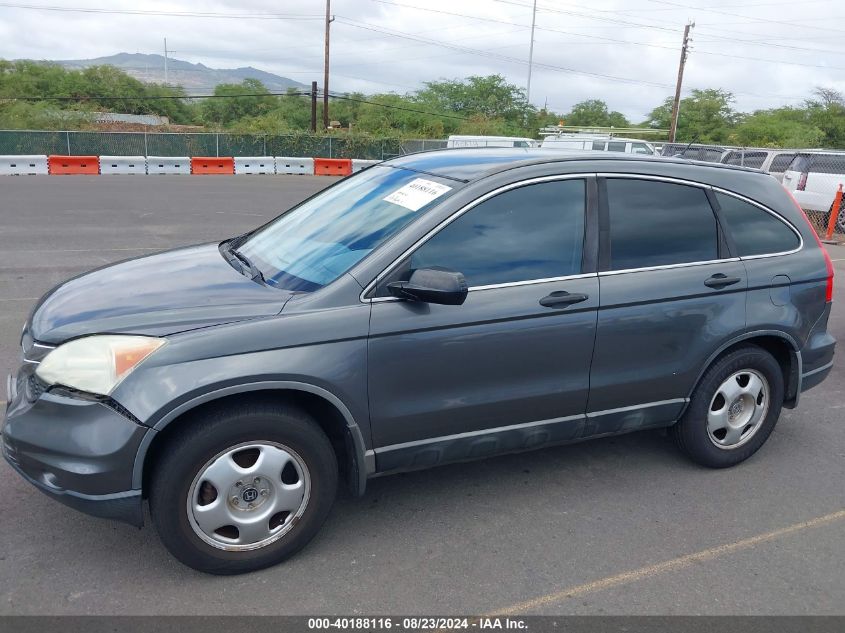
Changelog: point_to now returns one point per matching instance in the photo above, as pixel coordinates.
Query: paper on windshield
(417, 193)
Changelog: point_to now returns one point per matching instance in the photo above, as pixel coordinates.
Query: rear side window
(658, 223)
(598, 146)
(616, 146)
(745, 159)
(533, 232)
(755, 231)
(781, 162)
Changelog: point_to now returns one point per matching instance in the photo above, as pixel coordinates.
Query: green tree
(234, 102)
(595, 112)
(706, 116)
(491, 97)
(780, 127)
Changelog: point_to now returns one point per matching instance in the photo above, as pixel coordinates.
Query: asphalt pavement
(624, 525)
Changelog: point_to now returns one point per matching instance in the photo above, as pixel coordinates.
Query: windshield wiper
(244, 263)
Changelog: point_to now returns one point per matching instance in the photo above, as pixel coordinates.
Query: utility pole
(676, 104)
(313, 106)
(531, 54)
(165, 61)
(329, 20)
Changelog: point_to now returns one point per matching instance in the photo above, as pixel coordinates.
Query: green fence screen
(17, 142)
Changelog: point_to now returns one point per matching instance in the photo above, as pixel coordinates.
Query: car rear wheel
(733, 410)
(243, 487)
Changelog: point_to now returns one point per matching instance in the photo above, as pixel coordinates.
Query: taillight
(828, 263)
(802, 181)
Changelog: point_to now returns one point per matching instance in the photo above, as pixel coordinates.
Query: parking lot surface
(613, 526)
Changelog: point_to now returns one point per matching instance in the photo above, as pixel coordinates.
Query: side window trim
(714, 202)
(589, 251)
(725, 249)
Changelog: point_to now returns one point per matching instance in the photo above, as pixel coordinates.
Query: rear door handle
(561, 299)
(720, 280)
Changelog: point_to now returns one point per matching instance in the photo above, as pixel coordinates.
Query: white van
(774, 161)
(456, 140)
(598, 143)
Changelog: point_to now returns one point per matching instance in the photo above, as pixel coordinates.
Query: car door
(671, 294)
(503, 371)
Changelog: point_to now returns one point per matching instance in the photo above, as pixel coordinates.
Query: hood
(156, 295)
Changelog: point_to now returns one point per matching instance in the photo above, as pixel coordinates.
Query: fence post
(67, 136)
(217, 144)
(264, 139)
(330, 147)
(146, 151)
(834, 213)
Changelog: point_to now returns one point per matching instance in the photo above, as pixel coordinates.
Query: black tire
(213, 431)
(691, 434)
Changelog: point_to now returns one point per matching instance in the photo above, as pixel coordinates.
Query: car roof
(468, 164)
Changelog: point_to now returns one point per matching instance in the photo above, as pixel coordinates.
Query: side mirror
(432, 285)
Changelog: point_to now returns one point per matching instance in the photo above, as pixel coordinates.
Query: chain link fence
(18, 142)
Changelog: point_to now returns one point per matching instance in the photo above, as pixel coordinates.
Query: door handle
(561, 299)
(720, 280)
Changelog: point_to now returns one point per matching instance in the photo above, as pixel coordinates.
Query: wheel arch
(779, 344)
(333, 416)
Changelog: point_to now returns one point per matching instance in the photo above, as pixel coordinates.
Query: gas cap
(779, 291)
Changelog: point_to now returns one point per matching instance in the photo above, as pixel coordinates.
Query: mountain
(195, 78)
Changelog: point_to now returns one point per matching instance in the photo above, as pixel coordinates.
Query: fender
(364, 459)
(795, 354)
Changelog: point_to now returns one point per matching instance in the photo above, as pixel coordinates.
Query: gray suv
(439, 307)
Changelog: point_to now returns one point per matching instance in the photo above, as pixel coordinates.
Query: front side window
(599, 146)
(755, 231)
(616, 146)
(318, 241)
(533, 232)
(640, 148)
(658, 223)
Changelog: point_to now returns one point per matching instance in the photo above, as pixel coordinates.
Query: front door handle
(720, 280)
(561, 299)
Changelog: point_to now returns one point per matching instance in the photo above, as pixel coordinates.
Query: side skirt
(525, 437)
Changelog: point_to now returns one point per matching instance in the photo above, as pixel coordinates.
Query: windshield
(316, 242)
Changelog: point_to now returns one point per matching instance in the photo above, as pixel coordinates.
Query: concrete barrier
(359, 164)
(290, 165)
(168, 165)
(255, 165)
(28, 165)
(123, 165)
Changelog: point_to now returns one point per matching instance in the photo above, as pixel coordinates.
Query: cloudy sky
(767, 52)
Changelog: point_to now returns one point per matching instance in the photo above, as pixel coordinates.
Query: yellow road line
(666, 566)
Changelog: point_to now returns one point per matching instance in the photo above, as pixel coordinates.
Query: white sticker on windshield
(417, 193)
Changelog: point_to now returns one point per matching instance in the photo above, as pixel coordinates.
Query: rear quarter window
(755, 231)
(828, 164)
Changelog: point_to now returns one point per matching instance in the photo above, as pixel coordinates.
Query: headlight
(96, 364)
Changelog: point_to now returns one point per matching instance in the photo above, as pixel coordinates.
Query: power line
(498, 57)
(177, 14)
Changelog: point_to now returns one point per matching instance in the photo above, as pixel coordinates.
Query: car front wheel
(243, 487)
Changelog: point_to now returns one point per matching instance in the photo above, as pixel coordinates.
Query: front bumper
(79, 452)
